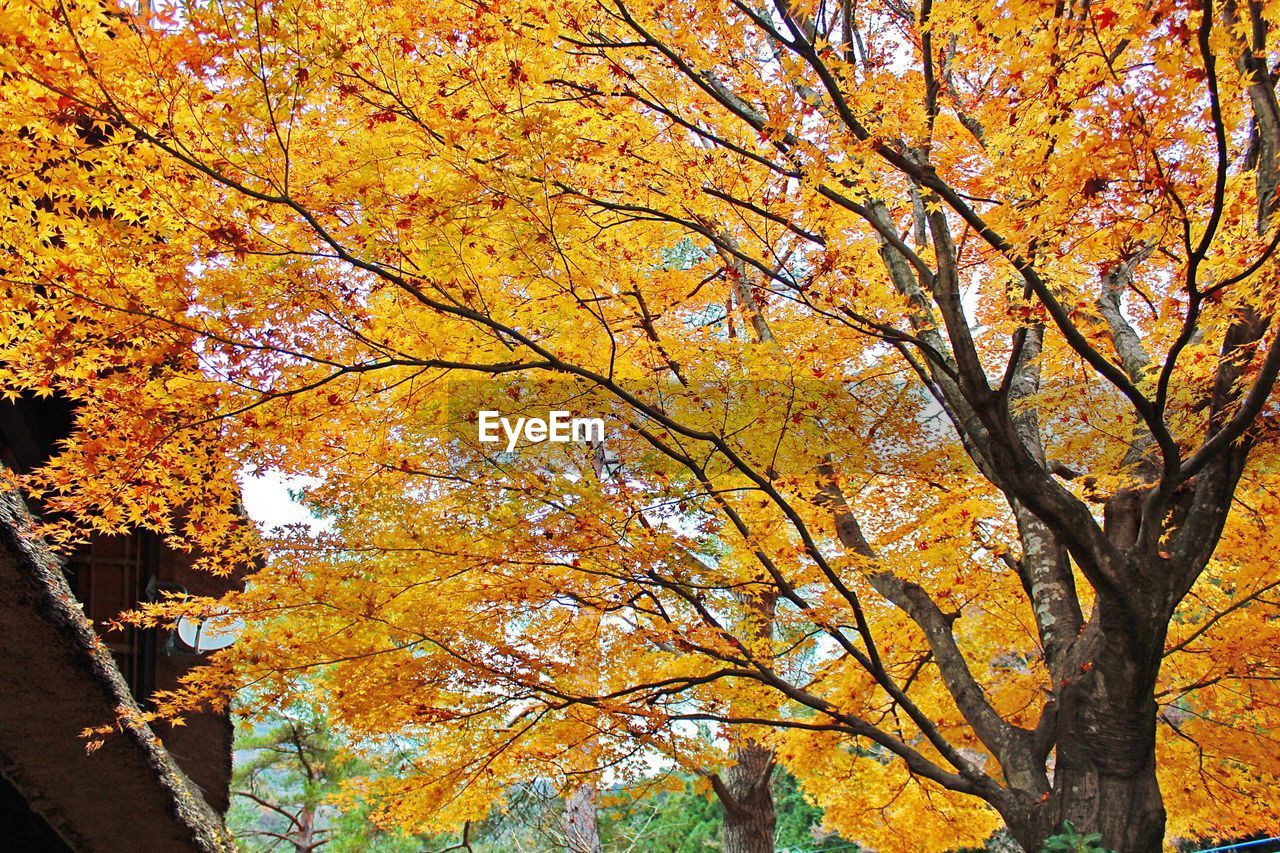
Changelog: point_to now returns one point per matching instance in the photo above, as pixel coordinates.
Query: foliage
(1071, 841)
(936, 344)
(800, 821)
(689, 820)
(289, 786)
(679, 821)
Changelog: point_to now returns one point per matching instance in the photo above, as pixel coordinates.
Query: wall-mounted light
(210, 633)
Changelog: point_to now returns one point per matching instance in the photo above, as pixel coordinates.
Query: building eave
(58, 679)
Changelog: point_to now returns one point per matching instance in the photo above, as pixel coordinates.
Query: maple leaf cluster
(935, 346)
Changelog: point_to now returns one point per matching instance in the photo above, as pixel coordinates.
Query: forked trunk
(746, 793)
(1104, 769)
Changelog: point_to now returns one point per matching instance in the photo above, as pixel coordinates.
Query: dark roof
(57, 679)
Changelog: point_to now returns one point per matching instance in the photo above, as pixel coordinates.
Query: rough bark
(746, 792)
(1105, 776)
(580, 830)
(1104, 773)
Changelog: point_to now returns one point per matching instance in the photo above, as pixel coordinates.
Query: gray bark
(746, 793)
(581, 832)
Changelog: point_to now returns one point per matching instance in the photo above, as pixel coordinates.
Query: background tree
(1026, 247)
(687, 820)
(289, 790)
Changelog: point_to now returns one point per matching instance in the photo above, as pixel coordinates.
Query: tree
(286, 778)
(1014, 518)
(686, 821)
(289, 787)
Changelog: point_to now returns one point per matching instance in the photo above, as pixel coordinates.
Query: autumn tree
(978, 531)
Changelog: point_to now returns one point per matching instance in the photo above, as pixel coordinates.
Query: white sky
(268, 502)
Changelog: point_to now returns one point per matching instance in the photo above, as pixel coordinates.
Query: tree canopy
(935, 343)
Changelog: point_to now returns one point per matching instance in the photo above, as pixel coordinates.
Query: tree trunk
(580, 830)
(1123, 805)
(746, 793)
(304, 840)
(1104, 771)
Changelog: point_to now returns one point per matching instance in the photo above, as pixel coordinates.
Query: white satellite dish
(211, 633)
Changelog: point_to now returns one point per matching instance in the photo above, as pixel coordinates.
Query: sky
(268, 502)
